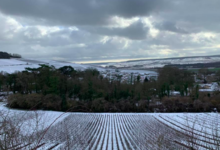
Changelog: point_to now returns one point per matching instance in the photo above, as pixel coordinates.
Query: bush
(33, 101)
(52, 102)
(177, 104)
(16, 101)
(29, 101)
(98, 105)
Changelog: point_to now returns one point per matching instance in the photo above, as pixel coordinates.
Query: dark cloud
(136, 31)
(170, 26)
(79, 12)
(192, 16)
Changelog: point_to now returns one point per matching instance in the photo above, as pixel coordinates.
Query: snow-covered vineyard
(116, 131)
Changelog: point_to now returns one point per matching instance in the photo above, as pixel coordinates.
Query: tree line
(4, 55)
(67, 89)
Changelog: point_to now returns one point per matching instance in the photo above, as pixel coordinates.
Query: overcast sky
(94, 30)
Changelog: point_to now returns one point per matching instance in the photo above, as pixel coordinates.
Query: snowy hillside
(12, 65)
(11, 62)
(154, 63)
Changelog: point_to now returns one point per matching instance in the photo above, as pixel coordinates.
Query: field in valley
(116, 131)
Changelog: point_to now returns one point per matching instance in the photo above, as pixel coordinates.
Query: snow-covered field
(13, 65)
(11, 62)
(117, 131)
(163, 62)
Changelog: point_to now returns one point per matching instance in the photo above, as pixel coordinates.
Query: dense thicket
(66, 89)
(4, 55)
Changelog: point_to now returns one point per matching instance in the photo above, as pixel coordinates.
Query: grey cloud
(136, 31)
(192, 16)
(170, 26)
(93, 18)
(78, 12)
(172, 15)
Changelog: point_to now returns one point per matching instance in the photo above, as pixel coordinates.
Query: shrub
(29, 101)
(33, 101)
(98, 105)
(16, 101)
(52, 102)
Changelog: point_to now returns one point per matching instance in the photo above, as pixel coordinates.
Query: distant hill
(5, 55)
(182, 62)
(12, 65)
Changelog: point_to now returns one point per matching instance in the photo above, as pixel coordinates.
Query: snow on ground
(42, 119)
(15, 68)
(174, 93)
(119, 130)
(13, 65)
(162, 62)
(11, 62)
(58, 64)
